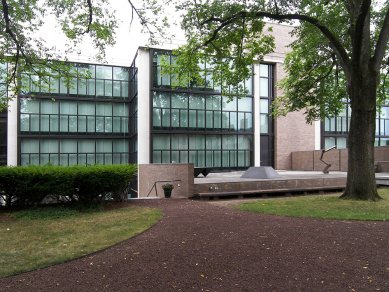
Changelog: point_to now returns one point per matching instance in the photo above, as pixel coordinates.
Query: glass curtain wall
(84, 121)
(266, 93)
(196, 123)
(335, 129)
(133, 112)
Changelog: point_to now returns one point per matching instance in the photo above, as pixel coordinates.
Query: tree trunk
(361, 183)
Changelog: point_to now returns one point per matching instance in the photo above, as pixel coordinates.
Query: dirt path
(205, 247)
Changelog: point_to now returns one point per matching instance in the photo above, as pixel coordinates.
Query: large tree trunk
(361, 183)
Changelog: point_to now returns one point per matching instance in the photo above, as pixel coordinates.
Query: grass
(323, 206)
(41, 237)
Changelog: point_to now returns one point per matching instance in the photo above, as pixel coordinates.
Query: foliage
(24, 51)
(27, 186)
(167, 187)
(322, 206)
(40, 237)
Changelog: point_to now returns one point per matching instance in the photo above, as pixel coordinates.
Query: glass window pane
(29, 146)
(99, 87)
(264, 70)
(161, 100)
(104, 146)
(157, 117)
(217, 120)
(249, 85)
(229, 104)
(264, 106)
(91, 87)
(63, 88)
(175, 118)
(54, 85)
(73, 86)
(104, 72)
(196, 102)
(72, 123)
(49, 107)
(116, 89)
(108, 124)
(29, 105)
(264, 124)
(82, 124)
(104, 109)
(264, 87)
(45, 123)
(341, 143)
(245, 104)
(213, 102)
(86, 108)
(192, 119)
(24, 122)
(125, 92)
(82, 86)
(68, 107)
(161, 142)
(329, 142)
(179, 101)
(34, 122)
(91, 124)
(183, 118)
(108, 88)
(166, 118)
(120, 73)
(86, 146)
(49, 146)
(209, 119)
(179, 142)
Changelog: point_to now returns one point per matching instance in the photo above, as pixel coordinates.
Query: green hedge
(29, 185)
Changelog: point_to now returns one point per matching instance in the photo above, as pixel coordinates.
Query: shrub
(29, 185)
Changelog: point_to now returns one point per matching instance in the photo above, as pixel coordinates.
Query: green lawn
(41, 237)
(323, 206)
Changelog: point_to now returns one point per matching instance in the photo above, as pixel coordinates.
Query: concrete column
(257, 118)
(143, 106)
(317, 135)
(12, 133)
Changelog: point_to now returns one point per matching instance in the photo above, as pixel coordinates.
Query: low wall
(338, 158)
(179, 175)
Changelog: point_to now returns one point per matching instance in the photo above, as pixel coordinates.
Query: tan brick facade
(291, 133)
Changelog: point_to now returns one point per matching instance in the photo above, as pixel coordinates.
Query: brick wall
(291, 132)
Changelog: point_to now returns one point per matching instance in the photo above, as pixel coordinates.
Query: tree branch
(359, 32)
(335, 43)
(382, 43)
(89, 2)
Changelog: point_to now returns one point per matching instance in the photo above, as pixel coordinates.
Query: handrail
(160, 181)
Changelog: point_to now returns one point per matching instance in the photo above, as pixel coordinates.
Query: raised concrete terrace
(230, 184)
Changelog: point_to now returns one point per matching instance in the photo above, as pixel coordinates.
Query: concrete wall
(148, 174)
(310, 160)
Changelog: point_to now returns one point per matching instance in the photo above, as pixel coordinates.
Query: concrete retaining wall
(179, 175)
(310, 160)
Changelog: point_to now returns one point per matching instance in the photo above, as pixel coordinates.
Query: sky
(128, 38)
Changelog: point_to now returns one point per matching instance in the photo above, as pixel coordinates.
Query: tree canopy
(23, 49)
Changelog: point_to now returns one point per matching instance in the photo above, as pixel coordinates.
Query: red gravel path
(203, 247)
